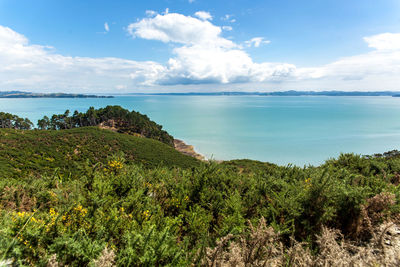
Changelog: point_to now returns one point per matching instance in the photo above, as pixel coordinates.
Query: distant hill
(39, 151)
(20, 94)
(332, 93)
(281, 93)
(200, 93)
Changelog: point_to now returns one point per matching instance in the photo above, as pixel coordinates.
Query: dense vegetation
(114, 117)
(11, 121)
(36, 151)
(68, 197)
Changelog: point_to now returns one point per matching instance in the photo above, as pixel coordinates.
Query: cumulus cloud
(384, 41)
(178, 28)
(256, 42)
(204, 56)
(35, 67)
(203, 15)
(201, 55)
(383, 61)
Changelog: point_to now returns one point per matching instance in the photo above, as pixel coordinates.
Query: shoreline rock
(186, 149)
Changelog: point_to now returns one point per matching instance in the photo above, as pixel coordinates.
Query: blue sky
(301, 45)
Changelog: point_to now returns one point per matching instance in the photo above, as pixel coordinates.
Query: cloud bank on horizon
(201, 56)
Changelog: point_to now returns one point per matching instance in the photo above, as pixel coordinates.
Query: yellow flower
(308, 182)
(115, 164)
(52, 212)
(146, 214)
(81, 210)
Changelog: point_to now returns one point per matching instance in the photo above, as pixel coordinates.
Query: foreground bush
(264, 248)
(129, 215)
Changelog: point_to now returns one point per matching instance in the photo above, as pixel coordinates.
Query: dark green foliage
(11, 121)
(25, 152)
(164, 216)
(123, 120)
(73, 191)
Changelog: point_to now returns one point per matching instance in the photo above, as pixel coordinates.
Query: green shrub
(170, 216)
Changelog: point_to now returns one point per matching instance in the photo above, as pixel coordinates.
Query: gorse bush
(38, 152)
(139, 216)
(93, 197)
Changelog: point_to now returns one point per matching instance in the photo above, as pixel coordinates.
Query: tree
(8, 120)
(44, 123)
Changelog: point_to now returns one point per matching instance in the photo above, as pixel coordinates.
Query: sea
(297, 130)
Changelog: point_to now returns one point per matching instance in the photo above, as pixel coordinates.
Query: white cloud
(256, 42)
(375, 70)
(201, 56)
(226, 17)
(384, 41)
(384, 60)
(106, 27)
(191, 1)
(177, 28)
(151, 13)
(229, 18)
(204, 15)
(34, 67)
(205, 56)
(227, 28)
(120, 86)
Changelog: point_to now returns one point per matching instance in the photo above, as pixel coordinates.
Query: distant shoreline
(20, 94)
(280, 93)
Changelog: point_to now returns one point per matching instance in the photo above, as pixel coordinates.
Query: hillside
(89, 196)
(21, 94)
(38, 151)
(233, 214)
(111, 117)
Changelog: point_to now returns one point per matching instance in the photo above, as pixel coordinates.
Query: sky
(126, 46)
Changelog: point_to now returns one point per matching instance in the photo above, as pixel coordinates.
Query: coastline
(179, 145)
(186, 149)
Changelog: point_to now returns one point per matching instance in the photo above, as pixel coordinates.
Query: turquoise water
(298, 130)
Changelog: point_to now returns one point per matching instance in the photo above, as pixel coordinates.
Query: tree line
(8, 120)
(116, 117)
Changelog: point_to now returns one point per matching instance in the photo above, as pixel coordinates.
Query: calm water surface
(298, 130)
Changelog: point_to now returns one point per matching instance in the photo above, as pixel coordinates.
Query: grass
(39, 151)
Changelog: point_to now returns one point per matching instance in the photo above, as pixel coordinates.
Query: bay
(298, 130)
